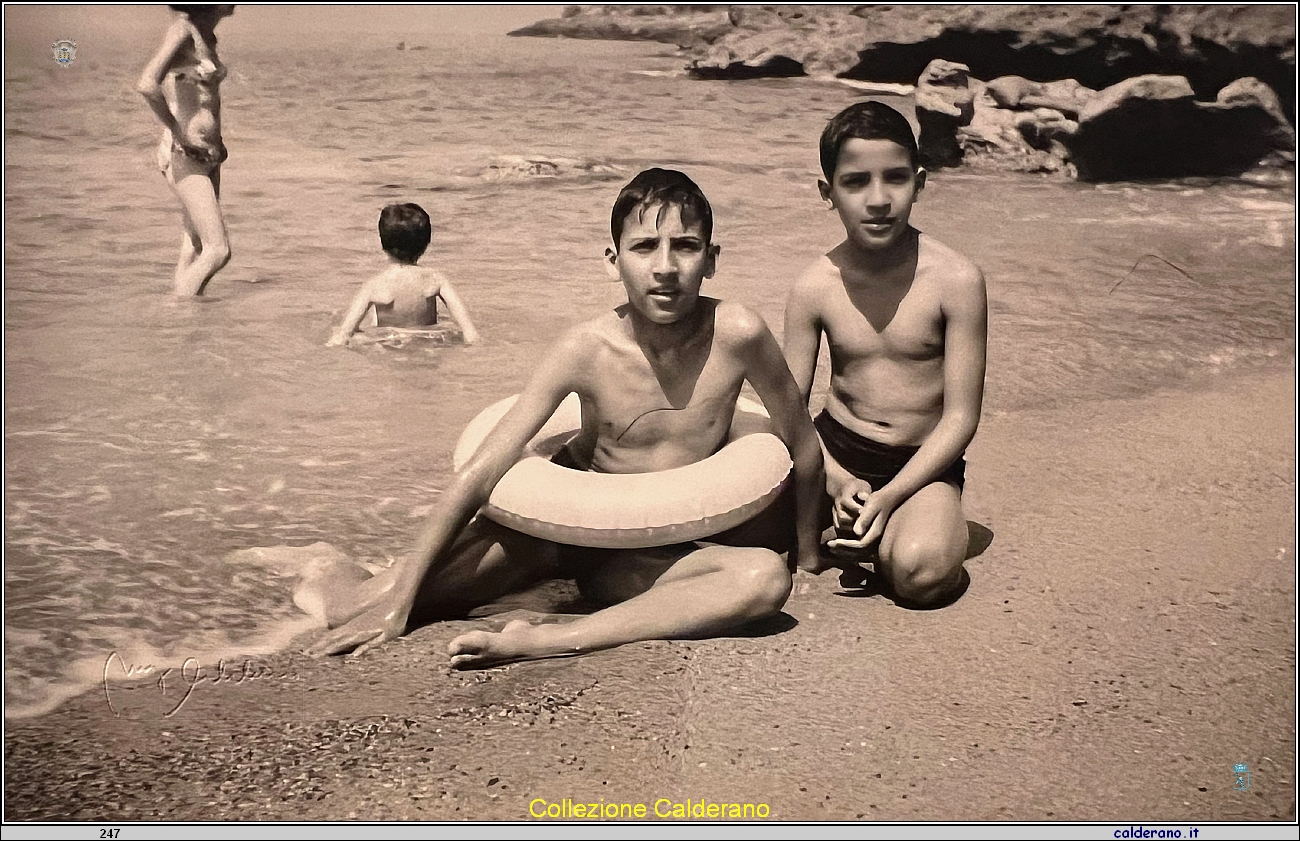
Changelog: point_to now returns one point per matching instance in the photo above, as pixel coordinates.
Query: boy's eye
(691, 245)
(642, 246)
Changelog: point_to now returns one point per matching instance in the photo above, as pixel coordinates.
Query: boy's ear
(920, 178)
(611, 264)
(714, 251)
(825, 190)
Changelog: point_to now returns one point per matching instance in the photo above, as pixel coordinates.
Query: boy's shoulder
(396, 276)
(737, 322)
(949, 263)
(822, 271)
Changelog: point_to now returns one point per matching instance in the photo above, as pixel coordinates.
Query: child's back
(404, 296)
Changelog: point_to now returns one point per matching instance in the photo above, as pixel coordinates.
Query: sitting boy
(404, 294)
(658, 378)
(906, 320)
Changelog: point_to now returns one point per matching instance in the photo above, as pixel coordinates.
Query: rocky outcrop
(1153, 127)
(944, 103)
(686, 26)
(1096, 45)
(1097, 92)
(1147, 127)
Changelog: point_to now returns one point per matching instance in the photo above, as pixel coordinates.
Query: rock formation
(1101, 92)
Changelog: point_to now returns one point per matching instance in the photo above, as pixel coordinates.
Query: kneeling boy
(906, 320)
(658, 378)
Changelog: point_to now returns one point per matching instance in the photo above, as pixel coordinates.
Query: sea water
(170, 465)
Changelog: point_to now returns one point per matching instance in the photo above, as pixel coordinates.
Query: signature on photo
(177, 683)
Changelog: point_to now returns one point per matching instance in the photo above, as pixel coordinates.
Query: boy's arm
(803, 333)
(469, 490)
(352, 318)
(803, 337)
(151, 78)
(965, 312)
(767, 372)
(448, 294)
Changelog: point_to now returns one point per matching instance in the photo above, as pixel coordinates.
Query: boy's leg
(669, 595)
(923, 547)
(487, 561)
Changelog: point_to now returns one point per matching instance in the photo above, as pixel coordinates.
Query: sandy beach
(1128, 637)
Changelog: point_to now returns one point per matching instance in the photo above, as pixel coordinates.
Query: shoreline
(1133, 617)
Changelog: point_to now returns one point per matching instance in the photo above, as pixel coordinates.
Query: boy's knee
(220, 253)
(766, 582)
(923, 574)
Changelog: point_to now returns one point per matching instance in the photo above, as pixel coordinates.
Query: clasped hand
(860, 515)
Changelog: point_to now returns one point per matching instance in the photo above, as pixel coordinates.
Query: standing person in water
(906, 320)
(181, 84)
(658, 378)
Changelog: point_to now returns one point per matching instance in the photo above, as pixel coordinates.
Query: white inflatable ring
(629, 510)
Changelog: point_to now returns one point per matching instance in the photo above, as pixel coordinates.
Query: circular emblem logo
(65, 51)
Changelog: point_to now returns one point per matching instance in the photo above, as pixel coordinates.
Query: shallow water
(147, 439)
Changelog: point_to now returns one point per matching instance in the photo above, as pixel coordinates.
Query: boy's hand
(873, 515)
(849, 497)
(383, 622)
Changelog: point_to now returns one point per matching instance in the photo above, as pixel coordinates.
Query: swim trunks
(874, 462)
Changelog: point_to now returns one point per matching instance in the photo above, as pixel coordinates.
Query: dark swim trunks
(875, 463)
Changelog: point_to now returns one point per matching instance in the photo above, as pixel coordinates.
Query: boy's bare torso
(886, 338)
(645, 410)
(404, 296)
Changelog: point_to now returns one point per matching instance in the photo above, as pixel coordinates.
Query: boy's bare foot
(328, 591)
(518, 640)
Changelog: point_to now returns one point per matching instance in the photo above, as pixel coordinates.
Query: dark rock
(1152, 127)
(944, 103)
(1251, 91)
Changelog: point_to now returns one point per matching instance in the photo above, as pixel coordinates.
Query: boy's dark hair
(404, 231)
(662, 187)
(866, 121)
(194, 9)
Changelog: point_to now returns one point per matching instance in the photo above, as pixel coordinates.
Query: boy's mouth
(878, 225)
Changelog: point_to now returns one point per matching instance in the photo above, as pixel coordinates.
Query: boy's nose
(663, 262)
(877, 197)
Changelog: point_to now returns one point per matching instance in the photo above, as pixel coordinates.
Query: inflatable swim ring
(399, 337)
(630, 510)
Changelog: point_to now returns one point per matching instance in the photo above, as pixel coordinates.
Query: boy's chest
(657, 398)
(905, 323)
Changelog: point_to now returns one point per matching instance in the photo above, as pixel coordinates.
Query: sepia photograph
(875, 416)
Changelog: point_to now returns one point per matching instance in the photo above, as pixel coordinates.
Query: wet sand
(1128, 637)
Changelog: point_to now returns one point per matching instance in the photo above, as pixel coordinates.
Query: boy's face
(873, 191)
(661, 262)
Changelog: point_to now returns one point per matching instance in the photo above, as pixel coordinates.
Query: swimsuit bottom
(874, 462)
(175, 162)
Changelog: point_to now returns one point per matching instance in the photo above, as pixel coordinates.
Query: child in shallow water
(404, 294)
